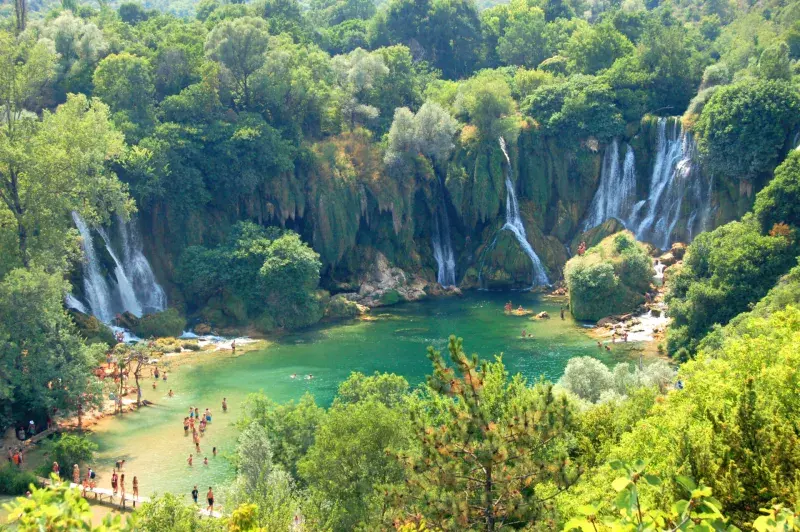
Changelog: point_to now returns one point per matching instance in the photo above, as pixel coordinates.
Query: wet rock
(543, 316)
(202, 329)
(384, 284)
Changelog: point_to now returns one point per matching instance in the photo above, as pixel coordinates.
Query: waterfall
(515, 225)
(95, 286)
(675, 180)
(133, 287)
(678, 190)
(72, 302)
(617, 190)
(124, 286)
(442, 245)
(150, 294)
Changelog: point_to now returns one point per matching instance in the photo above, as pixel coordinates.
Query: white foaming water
(442, 244)
(72, 302)
(95, 286)
(124, 285)
(150, 294)
(676, 190)
(515, 225)
(616, 193)
(132, 288)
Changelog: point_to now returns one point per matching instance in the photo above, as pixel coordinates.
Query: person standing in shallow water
(195, 494)
(562, 313)
(210, 497)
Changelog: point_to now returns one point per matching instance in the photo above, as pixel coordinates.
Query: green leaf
(686, 482)
(620, 483)
(653, 480)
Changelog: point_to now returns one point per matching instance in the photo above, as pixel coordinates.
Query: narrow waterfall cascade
(616, 193)
(132, 287)
(72, 302)
(659, 268)
(151, 296)
(442, 244)
(515, 225)
(95, 287)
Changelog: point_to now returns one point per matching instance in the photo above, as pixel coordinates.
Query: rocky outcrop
(383, 284)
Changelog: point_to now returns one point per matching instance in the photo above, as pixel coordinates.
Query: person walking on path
(76, 474)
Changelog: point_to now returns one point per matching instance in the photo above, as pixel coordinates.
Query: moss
(610, 278)
(390, 298)
(161, 324)
(339, 307)
(265, 323)
(92, 329)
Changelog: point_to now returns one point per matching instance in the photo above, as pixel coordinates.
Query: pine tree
(492, 451)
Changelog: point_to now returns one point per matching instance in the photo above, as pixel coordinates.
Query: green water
(154, 446)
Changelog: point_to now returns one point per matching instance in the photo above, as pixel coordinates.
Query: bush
(15, 482)
(70, 449)
(779, 201)
(610, 278)
(587, 378)
(339, 307)
(169, 323)
(744, 127)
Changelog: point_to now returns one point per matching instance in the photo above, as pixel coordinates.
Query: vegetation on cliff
(609, 278)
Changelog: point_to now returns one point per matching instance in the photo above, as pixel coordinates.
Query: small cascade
(74, 303)
(95, 286)
(659, 268)
(150, 294)
(516, 227)
(617, 191)
(132, 288)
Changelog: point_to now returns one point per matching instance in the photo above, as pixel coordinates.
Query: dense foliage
(610, 278)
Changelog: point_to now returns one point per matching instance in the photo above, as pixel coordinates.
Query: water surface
(154, 446)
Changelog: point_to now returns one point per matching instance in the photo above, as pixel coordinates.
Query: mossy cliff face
(344, 201)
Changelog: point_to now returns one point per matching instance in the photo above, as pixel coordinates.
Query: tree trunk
(488, 488)
(21, 12)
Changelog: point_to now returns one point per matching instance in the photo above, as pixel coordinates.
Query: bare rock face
(384, 284)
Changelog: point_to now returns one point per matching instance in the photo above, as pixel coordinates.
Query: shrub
(610, 278)
(70, 449)
(15, 482)
(161, 324)
(587, 378)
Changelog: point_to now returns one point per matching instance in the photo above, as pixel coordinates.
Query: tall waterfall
(95, 286)
(132, 288)
(442, 244)
(677, 190)
(675, 180)
(151, 296)
(617, 191)
(515, 225)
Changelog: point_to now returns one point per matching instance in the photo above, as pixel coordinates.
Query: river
(152, 440)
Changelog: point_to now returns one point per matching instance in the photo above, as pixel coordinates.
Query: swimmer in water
(294, 375)
(205, 461)
(309, 376)
(190, 459)
(154, 384)
(171, 393)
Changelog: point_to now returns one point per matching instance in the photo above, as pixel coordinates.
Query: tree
(169, 513)
(486, 100)
(524, 41)
(55, 165)
(44, 364)
(356, 74)
(291, 425)
(587, 378)
(239, 46)
(356, 470)
(490, 448)
(124, 82)
(57, 507)
(744, 127)
(779, 201)
(70, 449)
(596, 48)
(429, 132)
(775, 63)
(385, 388)
(132, 13)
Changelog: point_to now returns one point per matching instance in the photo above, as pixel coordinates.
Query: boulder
(202, 329)
(543, 316)
(383, 284)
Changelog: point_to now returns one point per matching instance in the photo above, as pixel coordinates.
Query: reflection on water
(153, 443)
